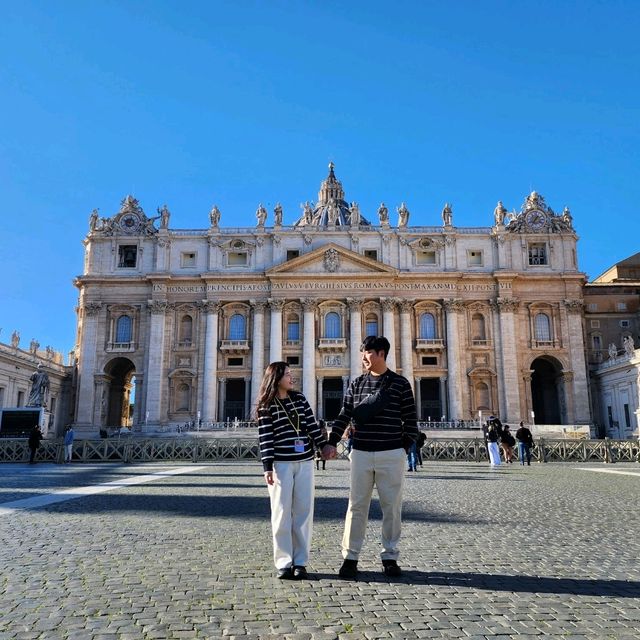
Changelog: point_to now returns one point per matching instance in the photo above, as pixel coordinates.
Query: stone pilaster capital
(309, 304)
(163, 243)
(507, 305)
(355, 304)
(92, 308)
(210, 306)
(567, 376)
(453, 305)
(157, 306)
(276, 304)
(573, 305)
(258, 306)
(406, 306)
(388, 304)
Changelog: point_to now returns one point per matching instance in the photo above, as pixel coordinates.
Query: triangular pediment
(332, 260)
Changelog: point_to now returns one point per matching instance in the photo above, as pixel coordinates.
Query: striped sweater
(393, 428)
(277, 434)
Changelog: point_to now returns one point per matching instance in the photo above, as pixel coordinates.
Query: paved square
(184, 551)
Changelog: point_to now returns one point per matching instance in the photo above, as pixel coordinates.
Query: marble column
(87, 368)
(509, 360)
(406, 341)
(389, 329)
(320, 411)
(249, 405)
(155, 361)
(578, 365)
(222, 393)
(210, 385)
(497, 350)
(275, 335)
(309, 351)
(138, 407)
(257, 350)
(454, 357)
(444, 407)
(355, 337)
(418, 395)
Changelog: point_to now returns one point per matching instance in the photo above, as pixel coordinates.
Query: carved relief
(354, 304)
(453, 305)
(331, 260)
(92, 308)
(388, 304)
(309, 304)
(276, 304)
(210, 306)
(507, 304)
(157, 306)
(574, 305)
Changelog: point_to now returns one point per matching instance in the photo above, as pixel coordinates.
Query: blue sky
(237, 103)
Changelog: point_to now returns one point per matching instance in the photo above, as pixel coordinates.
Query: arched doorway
(547, 391)
(119, 393)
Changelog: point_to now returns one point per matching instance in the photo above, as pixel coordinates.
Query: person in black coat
(525, 443)
(508, 442)
(35, 436)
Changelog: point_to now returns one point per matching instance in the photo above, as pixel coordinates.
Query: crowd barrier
(212, 449)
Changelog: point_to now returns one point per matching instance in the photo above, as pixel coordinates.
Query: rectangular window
(537, 253)
(237, 259)
(595, 324)
(293, 360)
(426, 257)
(429, 360)
(627, 416)
(371, 253)
(597, 342)
(592, 306)
(624, 324)
(474, 258)
(187, 259)
(293, 331)
(127, 255)
(371, 328)
(20, 402)
(621, 306)
(292, 253)
(235, 362)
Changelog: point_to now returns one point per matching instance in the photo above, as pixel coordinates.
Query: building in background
(177, 325)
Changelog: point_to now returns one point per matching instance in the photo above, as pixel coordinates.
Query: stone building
(178, 324)
(612, 326)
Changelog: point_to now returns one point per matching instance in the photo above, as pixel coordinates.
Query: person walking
(286, 427)
(318, 452)
(422, 438)
(68, 443)
(412, 457)
(381, 404)
(507, 441)
(525, 443)
(35, 436)
(492, 444)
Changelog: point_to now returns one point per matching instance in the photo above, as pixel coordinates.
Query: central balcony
(429, 344)
(332, 344)
(234, 346)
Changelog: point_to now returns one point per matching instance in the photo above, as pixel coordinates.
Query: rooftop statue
(164, 217)
(403, 215)
(354, 214)
(499, 213)
(277, 215)
(39, 393)
(447, 215)
(383, 214)
(261, 215)
(214, 216)
(93, 220)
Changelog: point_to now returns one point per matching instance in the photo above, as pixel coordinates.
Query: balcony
(121, 347)
(544, 344)
(184, 345)
(479, 343)
(234, 346)
(429, 344)
(293, 344)
(332, 344)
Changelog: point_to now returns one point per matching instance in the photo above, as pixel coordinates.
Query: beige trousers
(385, 470)
(292, 512)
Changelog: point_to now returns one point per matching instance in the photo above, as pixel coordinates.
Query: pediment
(332, 260)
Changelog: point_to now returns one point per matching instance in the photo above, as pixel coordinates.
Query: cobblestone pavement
(521, 552)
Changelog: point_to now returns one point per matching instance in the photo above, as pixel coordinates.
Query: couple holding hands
(380, 403)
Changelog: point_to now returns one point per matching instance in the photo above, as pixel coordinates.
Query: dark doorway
(332, 394)
(117, 398)
(234, 404)
(546, 391)
(430, 401)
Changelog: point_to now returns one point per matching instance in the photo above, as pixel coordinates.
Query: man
(35, 436)
(525, 443)
(381, 404)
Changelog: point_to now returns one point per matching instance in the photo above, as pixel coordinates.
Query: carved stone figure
(34, 346)
(261, 215)
(629, 347)
(383, 214)
(331, 260)
(93, 220)
(613, 351)
(532, 201)
(354, 214)
(277, 215)
(447, 215)
(15, 339)
(39, 393)
(307, 212)
(403, 215)
(332, 213)
(164, 217)
(567, 218)
(214, 216)
(499, 213)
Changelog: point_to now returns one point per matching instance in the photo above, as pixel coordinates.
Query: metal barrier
(246, 448)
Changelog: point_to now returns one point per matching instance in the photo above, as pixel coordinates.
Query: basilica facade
(177, 325)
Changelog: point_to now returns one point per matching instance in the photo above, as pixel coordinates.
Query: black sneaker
(391, 569)
(285, 574)
(349, 569)
(300, 573)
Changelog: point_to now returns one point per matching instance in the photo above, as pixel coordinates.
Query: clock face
(129, 222)
(536, 219)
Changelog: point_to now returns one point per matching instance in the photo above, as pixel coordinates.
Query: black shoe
(300, 573)
(285, 574)
(391, 569)
(349, 569)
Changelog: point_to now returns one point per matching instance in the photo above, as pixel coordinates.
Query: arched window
(186, 329)
(371, 325)
(597, 341)
(543, 328)
(123, 329)
(478, 331)
(293, 327)
(427, 326)
(482, 397)
(332, 325)
(183, 397)
(237, 327)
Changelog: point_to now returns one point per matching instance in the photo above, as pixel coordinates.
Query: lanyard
(296, 427)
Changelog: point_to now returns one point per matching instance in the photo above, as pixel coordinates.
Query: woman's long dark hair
(269, 385)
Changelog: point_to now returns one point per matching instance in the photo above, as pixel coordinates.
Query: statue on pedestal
(15, 339)
(629, 347)
(277, 215)
(383, 214)
(447, 215)
(355, 216)
(214, 216)
(34, 345)
(39, 393)
(164, 217)
(403, 215)
(499, 213)
(261, 215)
(93, 220)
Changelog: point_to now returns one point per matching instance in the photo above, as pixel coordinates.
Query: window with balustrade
(371, 325)
(542, 326)
(237, 327)
(478, 330)
(185, 336)
(332, 328)
(293, 328)
(427, 326)
(124, 327)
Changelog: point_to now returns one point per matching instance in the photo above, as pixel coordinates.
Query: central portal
(331, 398)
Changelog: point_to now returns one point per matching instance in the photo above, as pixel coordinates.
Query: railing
(234, 345)
(211, 449)
(429, 344)
(332, 343)
(453, 424)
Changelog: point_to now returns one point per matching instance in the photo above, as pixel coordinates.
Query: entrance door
(430, 401)
(545, 391)
(234, 402)
(331, 397)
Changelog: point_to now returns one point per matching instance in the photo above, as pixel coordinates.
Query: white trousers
(292, 512)
(385, 470)
(68, 452)
(494, 453)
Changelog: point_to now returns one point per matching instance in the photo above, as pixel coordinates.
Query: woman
(286, 426)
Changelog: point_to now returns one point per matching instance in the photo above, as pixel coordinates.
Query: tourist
(507, 441)
(68, 443)
(35, 436)
(525, 443)
(422, 439)
(492, 443)
(318, 452)
(381, 404)
(286, 427)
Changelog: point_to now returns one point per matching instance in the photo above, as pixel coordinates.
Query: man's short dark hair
(376, 343)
